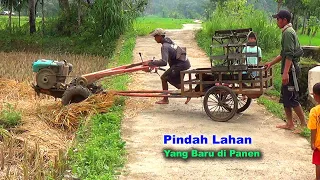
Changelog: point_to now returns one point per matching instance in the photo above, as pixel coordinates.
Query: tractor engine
(51, 76)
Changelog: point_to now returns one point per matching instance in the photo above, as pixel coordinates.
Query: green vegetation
(99, 146)
(308, 40)
(15, 20)
(95, 32)
(144, 25)
(9, 117)
(192, 9)
(234, 15)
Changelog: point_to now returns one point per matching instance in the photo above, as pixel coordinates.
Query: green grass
(100, 148)
(9, 116)
(309, 41)
(24, 20)
(144, 25)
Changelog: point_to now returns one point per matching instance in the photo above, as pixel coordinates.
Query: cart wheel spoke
(213, 107)
(226, 104)
(215, 100)
(243, 104)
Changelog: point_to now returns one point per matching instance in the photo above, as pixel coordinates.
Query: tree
(297, 8)
(9, 4)
(64, 6)
(32, 18)
(312, 14)
(279, 4)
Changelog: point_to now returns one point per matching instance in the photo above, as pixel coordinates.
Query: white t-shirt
(250, 49)
(252, 60)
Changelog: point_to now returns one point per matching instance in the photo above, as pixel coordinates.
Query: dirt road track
(285, 155)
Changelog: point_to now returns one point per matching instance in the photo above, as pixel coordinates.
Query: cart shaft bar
(149, 95)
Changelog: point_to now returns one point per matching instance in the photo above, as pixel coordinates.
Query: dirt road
(285, 155)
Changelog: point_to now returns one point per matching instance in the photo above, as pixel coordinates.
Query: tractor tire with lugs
(75, 94)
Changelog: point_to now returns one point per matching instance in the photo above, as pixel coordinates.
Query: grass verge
(99, 147)
(272, 106)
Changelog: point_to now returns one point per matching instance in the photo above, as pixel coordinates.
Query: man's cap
(158, 31)
(283, 14)
(316, 89)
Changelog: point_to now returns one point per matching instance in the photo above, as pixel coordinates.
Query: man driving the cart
(173, 55)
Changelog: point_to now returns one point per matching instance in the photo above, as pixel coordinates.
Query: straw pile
(68, 117)
(59, 116)
(14, 90)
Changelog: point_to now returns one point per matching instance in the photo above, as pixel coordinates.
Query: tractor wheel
(75, 94)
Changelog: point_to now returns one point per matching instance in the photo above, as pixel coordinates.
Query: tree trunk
(42, 6)
(279, 5)
(64, 5)
(294, 19)
(309, 29)
(19, 17)
(304, 24)
(296, 24)
(315, 31)
(79, 13)
(32, 19)
(10, 14)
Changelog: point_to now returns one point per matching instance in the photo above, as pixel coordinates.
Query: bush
(239, 16)
(9, 117)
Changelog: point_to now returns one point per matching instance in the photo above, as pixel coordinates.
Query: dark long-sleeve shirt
(169, 55)
(289, 44)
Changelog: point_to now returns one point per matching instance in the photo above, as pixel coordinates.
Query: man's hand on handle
(146, 63)
(267, 66)
(275, 61)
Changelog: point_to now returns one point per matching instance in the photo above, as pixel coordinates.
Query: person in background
(313, 125)
(252, 48)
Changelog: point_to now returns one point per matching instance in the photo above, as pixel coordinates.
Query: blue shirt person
(252, 48)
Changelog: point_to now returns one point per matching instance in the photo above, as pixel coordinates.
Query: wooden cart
(228, 86)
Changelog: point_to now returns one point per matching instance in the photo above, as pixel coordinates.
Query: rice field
(144, 25)
(24, 20)
(18, 65)
(48, 126)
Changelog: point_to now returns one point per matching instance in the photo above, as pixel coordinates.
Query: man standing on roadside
(290, 70)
